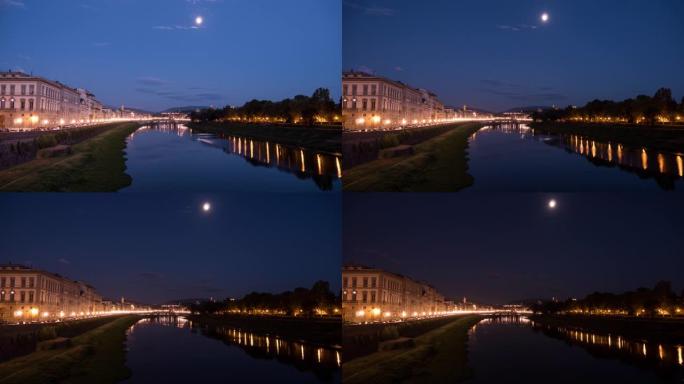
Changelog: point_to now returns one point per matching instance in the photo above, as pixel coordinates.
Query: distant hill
(136, 110)
(186, 109)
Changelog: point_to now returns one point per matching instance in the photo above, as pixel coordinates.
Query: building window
(23, 282)
(354, 89)
(22, 104)
(345, 281)
(354, 296)
(373, 297)
(23, 89)
(11, 295)
(31, 297)
(364, 296)
(3, 88)
(2, 103)
(345, 88)
(373, 282)
(364, 104)
(353, 282)
(12, 89)
(365, 282)
(32, 282)
(372, 104)
(365, 89)
(374, 89)
(30, 104)
(22, 296)
(2, 295)
(12, 282)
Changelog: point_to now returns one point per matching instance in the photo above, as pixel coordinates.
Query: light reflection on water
(154, 161)
(664, 360)
(315, 363)
(666, 168)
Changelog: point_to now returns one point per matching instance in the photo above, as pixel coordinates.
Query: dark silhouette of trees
(301, 109)
(661, 108)
(317, 300)
(661, 300)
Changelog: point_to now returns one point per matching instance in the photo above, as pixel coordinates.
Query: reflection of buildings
(371, 294)
(28, 101)
(376, 102)
(28, 294)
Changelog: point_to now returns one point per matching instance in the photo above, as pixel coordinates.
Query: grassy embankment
(319, 138)
(97, 356)
(319, 330)
(439, 164)
(94, 165)
(668, 138)
(438, 356)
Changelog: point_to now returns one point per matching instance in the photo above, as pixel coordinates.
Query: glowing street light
(206, 207)
(552, 203)
(545, 17)
(199, 20)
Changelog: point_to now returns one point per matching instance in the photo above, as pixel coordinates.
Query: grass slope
(437, 165)
(97, 356)
(95, 165)
(439, 356)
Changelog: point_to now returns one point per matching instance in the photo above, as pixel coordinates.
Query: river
(515, 349)
(171, 157)
(516, 158)
(173, 349)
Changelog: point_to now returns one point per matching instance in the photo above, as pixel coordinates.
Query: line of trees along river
(301, 109)
(660, 108)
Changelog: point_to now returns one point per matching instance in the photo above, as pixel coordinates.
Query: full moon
(206, 207)
(199, 20)
(545, 17)
(552, 203)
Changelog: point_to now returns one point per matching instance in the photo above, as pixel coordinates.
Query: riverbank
(437, 356)
(438, 164)
(668, 138)
(325, 331)
(97, 164)
(656, 329)
(318, 138)
(96, 356)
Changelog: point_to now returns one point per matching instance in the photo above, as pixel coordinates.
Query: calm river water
(514, 349)
(516, 158)
(171, 157)
(174, 350)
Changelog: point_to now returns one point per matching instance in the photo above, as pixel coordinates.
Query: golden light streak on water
(339, 361)
(277, 154)
(644, 159)
(593, 149)
(318, 354)
(679, 355)
(619, 153)
(610, 153)
(680, 166)
(661, 163)
(339, 167)
(302, 349)
(268, 153)
(251, 148)
(661, 354)
(643, 349)
(301, 155)
(318, 163)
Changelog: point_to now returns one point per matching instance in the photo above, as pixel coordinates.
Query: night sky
(505, 247)
(498, 54)
(158, 247)
(148, 54)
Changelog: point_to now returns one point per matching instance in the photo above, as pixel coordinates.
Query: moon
(199, 20)
(544, 17)
(552, 203)
(206, 207)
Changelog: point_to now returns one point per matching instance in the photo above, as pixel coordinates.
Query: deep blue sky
(496, 248)
(496, 54)
(158, 247)
(144, 54)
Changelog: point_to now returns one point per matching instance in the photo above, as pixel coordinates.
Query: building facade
(372, 294)
(29, 294)
(30, 102)
(374, 102)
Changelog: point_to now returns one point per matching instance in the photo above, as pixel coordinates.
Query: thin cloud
(175, 27)
(516, 28)
(12, 3)
(520, 92)
(398, 69)
(372, 10)
(151, 81)
(64, 261)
